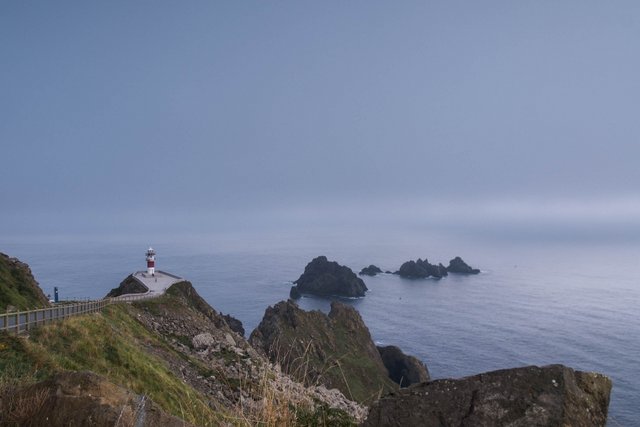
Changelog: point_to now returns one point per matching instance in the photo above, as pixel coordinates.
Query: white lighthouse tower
(151, 262)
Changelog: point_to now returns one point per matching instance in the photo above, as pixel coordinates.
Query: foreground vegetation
(18, 288)
(110, 344)
(115, 345)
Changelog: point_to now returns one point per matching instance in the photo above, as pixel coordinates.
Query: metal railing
(22, 321)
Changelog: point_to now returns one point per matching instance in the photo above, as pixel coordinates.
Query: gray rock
(553, 395)
(230, 340)
(372, 270)
(458, 266)
(403, 369)
(202, 341)
(328, 278)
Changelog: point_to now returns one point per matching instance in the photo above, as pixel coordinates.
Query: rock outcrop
(403, 369)
(335, 350)
(457, 265)
(82, 398)
(294, 293)
(372, 270)
(530, 396)
(421, 269)
(328, 278)
(18, 287)
(128, 286)
(236, 373)
(235, 324)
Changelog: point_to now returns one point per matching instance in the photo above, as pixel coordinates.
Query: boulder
(372, 270)
(458, 266)
(403, 369)
(553, 395)
(328, 278)
(202, 341)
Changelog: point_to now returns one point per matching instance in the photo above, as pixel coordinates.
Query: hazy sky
(120, 111)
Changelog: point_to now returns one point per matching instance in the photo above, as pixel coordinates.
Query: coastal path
(22, 321)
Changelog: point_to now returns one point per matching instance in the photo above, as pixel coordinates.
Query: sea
(537, 301)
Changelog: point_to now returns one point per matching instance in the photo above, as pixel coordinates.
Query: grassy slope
(111, 344)
(18, 287)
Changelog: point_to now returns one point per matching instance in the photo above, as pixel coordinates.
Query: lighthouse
(151, 261)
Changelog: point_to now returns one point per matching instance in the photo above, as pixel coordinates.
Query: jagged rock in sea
(403, 369)
(457, 265)
(18, 288)
(421, 269)
(328, 278)
(552, 395)
(294, 293)
(80, 398)
(372, 270)
(335, 350)
(128, 286)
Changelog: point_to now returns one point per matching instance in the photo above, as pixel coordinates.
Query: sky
(199, 115)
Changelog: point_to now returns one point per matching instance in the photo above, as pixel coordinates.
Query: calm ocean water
(535, 302)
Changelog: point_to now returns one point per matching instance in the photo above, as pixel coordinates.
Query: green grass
(18, 288)
(110, 344)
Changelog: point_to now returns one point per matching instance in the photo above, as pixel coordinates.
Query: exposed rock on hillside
(328, 278)
(128, 286)
(372, 270)
(81, 398)
(403, 369)
(421, 269)
(457, 265)
(18, 287)
(334, 350)
(234, 324)
(228, 370)
(531, 396)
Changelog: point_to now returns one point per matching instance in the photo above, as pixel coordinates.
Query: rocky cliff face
(334, 350)
(18, 288)
(531, 396)
(228, 370)
(81, 398)
(403, 369)
(328, 278)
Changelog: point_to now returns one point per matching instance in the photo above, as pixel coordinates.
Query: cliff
(174, 360)
(18, 287)
(335, 350)
(175, 350)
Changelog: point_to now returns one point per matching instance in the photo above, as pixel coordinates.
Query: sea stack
(328, 278)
